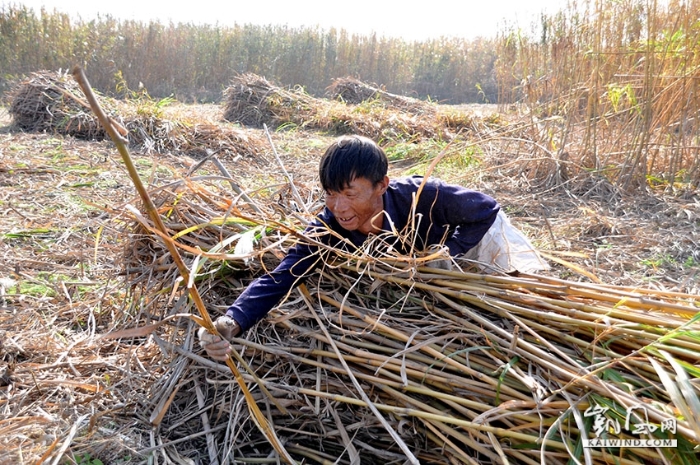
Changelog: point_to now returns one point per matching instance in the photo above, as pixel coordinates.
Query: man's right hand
(443, 262)
(216, 347)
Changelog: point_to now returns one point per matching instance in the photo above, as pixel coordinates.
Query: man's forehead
(356, 183)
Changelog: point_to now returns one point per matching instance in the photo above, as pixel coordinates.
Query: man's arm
(467, 235)
(265, 292)
(467, 215)
(256, 301)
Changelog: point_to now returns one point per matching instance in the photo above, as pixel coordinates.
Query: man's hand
(443, 260)
(216, 347)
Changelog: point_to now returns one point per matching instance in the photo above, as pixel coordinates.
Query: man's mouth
(344, 220)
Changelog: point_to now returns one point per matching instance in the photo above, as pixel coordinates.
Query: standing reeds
(612, 92)
(196, 62)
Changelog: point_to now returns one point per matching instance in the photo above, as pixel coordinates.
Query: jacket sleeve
(465, 214)
(266, 291)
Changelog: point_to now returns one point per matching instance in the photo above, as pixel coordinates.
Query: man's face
(356, 205)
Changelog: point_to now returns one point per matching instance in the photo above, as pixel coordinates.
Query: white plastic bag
(503, 248)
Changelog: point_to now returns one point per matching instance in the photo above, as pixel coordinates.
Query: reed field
(589, 143)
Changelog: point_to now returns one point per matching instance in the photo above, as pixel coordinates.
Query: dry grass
(76, 266)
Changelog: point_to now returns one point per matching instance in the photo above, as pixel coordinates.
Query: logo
(604, 426)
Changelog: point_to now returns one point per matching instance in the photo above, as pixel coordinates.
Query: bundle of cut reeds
(52, 102)
(253, 101)
(350, 90)
(386, 360)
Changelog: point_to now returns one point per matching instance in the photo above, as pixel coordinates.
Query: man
(405, 214)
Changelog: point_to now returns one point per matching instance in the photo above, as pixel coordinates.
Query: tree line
(196, 62)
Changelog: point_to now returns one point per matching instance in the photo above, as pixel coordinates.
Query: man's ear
(384, 183)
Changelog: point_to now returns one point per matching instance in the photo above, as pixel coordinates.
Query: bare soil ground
(62, 204)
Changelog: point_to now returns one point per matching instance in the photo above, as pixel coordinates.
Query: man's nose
(337, 203)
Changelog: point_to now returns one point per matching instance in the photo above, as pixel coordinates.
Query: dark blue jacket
(445, 214)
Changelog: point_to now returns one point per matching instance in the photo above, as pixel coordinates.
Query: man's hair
(350, 157)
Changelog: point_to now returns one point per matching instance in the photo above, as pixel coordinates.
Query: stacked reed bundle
(390, 361)
(253, 101)
(350, 90)
(52, 102)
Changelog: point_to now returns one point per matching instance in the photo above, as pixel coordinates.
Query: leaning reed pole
(117, 134)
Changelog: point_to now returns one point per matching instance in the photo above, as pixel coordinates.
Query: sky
(417, 20)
